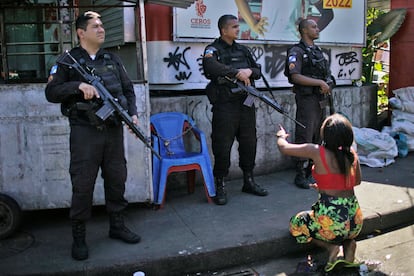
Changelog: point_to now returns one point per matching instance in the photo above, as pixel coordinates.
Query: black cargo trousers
(233, 120)
(91, 149)
(309, 113)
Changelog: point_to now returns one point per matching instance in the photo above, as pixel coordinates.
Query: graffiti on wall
(344, 65)
(177, 59)
(347, 62)
(274, 60)
(200, 64)
(183, 64)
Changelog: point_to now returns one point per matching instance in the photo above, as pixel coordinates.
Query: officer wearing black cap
(94, 144)
(231, 118)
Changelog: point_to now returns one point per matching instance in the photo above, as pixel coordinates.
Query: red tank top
(332, 181)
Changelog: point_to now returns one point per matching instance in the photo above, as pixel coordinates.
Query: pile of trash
(375, 149)
(378, 149)
(402, 120)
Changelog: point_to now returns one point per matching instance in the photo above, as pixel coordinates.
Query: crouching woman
(335, 219)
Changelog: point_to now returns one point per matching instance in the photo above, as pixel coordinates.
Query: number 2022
(328, 4)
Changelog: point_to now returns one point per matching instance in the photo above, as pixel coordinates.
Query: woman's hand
(282, 133)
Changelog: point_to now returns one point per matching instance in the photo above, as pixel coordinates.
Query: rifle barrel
(275, 105)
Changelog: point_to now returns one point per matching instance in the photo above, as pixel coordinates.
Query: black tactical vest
(314, 63)
(235, 56)
(107, 70)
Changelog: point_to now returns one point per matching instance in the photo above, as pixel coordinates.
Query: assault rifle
(327, 98)
(110, 105)
(332, 83)
(254, 93)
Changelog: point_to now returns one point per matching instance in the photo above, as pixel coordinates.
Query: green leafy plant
(381, 26)
(369, 50)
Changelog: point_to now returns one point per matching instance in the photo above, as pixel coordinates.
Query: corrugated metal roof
(172, 3)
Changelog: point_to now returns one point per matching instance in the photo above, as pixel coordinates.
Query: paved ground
(386, 254)
(189, 235)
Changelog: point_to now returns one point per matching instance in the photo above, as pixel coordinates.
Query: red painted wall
(158, 20)
(402, 49)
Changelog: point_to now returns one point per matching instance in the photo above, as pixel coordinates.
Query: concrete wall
(34, 140)
(34, 151)
(358, 104)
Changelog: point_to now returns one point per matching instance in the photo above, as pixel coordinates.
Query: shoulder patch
(292, 58)
(209, 51)
(53, 70)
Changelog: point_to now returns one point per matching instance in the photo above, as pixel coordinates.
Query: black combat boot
(118, 230)
(251, 187)
(221, 196)
(79, 247)
(301, 179)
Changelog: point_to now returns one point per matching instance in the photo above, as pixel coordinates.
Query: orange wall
(402, 49)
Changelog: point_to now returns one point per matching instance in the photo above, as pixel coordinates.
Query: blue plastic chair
(168, 132)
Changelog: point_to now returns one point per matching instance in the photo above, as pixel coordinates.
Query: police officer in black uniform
(308, 71)
(231, 118)
(94, 143)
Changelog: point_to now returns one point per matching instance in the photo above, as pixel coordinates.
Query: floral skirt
(332, 219)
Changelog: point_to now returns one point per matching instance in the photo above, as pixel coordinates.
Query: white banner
(342, 22)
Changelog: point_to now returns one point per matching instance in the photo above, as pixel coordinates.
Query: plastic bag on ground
(375, 149)
(403, 100)
(409, 138)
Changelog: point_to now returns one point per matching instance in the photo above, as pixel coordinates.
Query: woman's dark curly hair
(337, 136)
